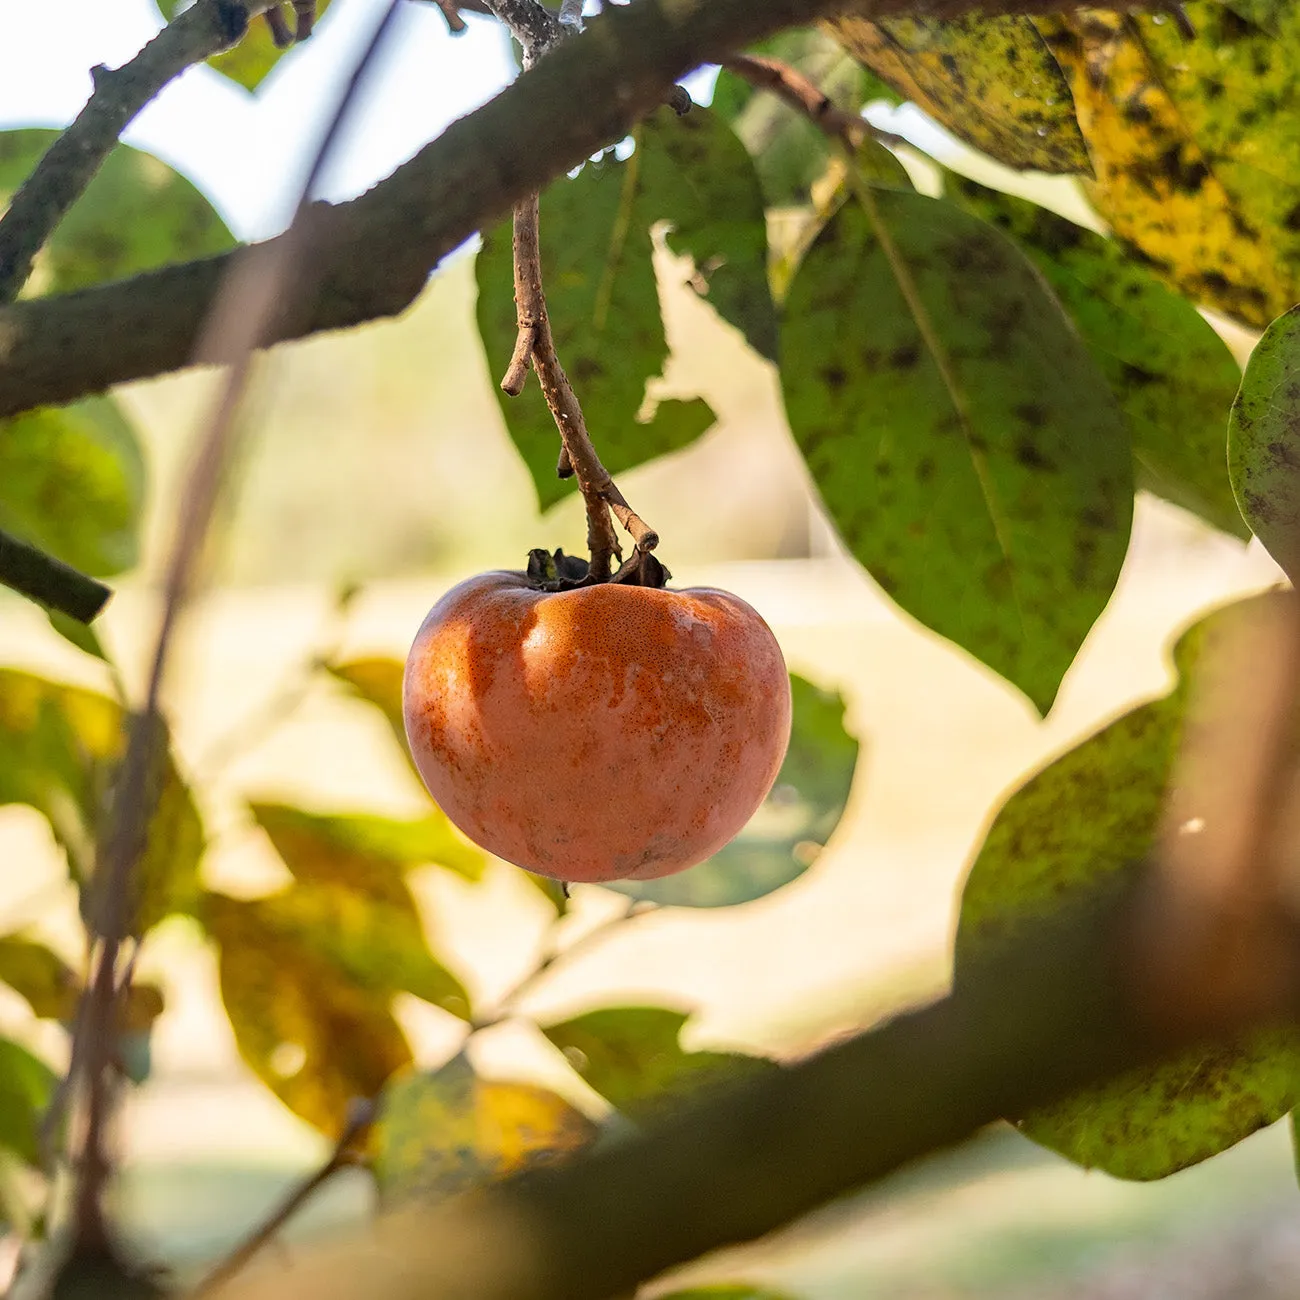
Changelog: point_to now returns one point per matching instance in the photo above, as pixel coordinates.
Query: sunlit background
(380, 457)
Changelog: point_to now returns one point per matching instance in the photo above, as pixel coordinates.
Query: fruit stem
(536, 344)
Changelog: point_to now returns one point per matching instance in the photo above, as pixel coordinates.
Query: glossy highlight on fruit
(602, 733)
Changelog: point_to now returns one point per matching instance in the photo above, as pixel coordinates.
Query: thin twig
(554, 954)
(805, 97)
(599, 491)
(40, 577)
(344, 1156)
(240, 322)
(71, 162)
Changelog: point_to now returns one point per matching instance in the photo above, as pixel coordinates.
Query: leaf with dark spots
(991, 81)
(1004, 444)
(1194, 146)
(1264, 442)
(1173, 376)
(690, 173)
(1082, 820)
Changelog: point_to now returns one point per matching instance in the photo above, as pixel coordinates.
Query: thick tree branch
(1049, 1012)
(41, 577)
(387, 241)
(71, 162)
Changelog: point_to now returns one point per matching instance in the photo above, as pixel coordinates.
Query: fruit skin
(603, 733)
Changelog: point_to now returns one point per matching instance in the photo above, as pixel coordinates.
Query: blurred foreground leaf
(368, 853)
(59, 747)
(791, 827)
(72, 483)
(1082, 819)
(50, 986)
(444, 1132)
(26, 1088)
(315, 1036)
(632, 1056)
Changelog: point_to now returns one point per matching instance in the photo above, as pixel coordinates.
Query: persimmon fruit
(603, 732)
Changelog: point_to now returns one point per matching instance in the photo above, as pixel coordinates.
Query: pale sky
(246, 151)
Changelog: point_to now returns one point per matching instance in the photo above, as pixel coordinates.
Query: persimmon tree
(977, 385)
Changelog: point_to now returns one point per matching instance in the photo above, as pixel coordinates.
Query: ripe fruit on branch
(602, 732)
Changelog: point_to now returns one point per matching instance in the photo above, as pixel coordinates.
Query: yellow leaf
(1194, 148)
(317, 1039)
(991, 81)
(446, 1132)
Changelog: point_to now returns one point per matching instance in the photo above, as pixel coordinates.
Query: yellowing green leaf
(50, 986)
(59, 747)
(796, 819)
(963, 441)
(632, 1057)
(1082, 819)
(1194, 147)
(315, 1037)
(136, 214)
(448, 1131)
(1264, 442)
(367, 853)
(1173, 375)
(72, 482)
(991, 81)
(734, 1291)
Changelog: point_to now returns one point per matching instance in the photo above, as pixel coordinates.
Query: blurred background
(380, 458)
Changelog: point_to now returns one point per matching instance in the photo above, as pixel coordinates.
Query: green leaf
(79, 634)
(59, 750)
(72, 482)
(377, 944)
(249, 62)
(315, 1037)
(1082, 820)
(790, 153)
(365, 852)
(602, 296)
(445, 1132)
(632, 1057)
(991, 81)
(1173, 375)
(1194, 146)
(1264, 442)
(136, 214)
(784, 837)
(963, 441)
(26, 1089)
(50, 986)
